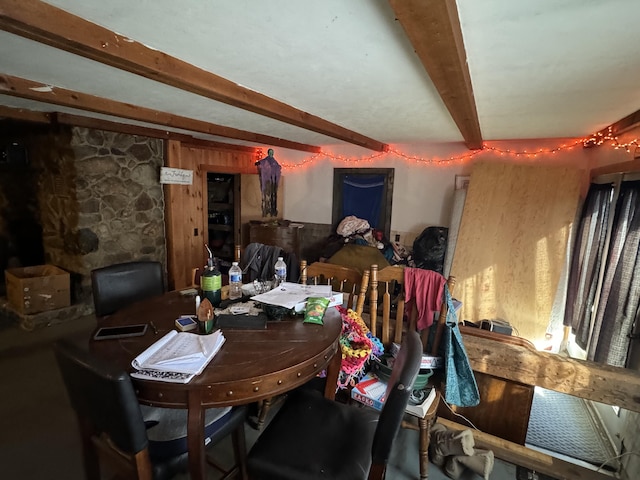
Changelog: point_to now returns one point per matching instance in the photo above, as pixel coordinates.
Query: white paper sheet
(289, 294)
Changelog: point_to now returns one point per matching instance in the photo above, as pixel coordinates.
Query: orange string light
(595, 139)
(600, 138)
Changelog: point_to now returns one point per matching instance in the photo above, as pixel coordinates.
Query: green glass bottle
(211, 281)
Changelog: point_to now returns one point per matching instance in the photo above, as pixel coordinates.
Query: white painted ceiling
(539, 68)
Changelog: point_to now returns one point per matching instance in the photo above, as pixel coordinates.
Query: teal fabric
(461, 388)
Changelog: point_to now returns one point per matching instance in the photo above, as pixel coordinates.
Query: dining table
(252, 365)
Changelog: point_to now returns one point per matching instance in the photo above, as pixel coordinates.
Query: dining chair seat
(313, 438)
(146, 443)
(167, 428)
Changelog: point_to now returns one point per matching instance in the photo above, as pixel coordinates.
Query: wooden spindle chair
(349, 281)
(386, 320)
(342, 279)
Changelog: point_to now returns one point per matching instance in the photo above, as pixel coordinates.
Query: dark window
(365, 193)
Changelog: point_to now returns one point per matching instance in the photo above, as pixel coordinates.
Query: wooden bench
(584, 379)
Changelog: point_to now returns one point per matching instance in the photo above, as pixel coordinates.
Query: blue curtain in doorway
(362, 197)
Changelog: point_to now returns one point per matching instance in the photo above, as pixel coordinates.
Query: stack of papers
(294, 295)
(177, 357)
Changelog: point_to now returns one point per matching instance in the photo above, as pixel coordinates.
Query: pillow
(359, 257)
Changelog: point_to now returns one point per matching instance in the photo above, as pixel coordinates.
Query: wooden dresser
(285, 236)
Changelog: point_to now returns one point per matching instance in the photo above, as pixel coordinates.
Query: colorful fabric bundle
(358, 346)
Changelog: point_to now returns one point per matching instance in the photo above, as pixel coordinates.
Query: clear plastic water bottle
(235, 281)
(281, 271)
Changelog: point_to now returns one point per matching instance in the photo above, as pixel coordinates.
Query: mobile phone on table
(105, 333)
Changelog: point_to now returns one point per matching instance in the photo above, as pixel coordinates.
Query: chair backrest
(342, 279)
(403, 375)
(388, 278)
(117, 286)
(388, 283)
(107, 408)
(258, 261)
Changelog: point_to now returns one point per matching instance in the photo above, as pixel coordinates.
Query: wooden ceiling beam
(23, 88)
(33, 116)
(623, 125)
(100, 124)
(50, 25)
(433, 27)
(24, 115)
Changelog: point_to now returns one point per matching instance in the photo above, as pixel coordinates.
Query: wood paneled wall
(185, 205)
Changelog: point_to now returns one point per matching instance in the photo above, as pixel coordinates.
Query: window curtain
(604, 333)
(620, 294)
(586, 261)
(362, 197)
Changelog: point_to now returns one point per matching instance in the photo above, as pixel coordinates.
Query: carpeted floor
(562, 423)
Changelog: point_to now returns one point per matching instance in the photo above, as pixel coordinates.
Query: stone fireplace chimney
(92, 197)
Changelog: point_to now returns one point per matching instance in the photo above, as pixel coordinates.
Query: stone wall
(119, 197)
(100, 201)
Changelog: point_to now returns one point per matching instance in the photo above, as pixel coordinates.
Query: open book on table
(177, 357)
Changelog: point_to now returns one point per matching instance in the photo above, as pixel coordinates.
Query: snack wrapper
(314, 312)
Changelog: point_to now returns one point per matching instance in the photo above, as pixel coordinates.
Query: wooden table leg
(425, 424)
(333, 371)
(425, 428)
(195, 436)
(264, 408)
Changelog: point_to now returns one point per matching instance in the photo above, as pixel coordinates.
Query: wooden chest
(284, 236)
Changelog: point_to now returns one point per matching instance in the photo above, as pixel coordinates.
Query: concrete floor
(38, 436)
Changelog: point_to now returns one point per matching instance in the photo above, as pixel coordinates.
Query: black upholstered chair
(136, 441)
(312, 437)
(116, 286)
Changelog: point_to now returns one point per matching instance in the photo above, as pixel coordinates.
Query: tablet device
(123, 331)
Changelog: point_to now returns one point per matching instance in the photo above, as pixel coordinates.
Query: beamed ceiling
(301, 74)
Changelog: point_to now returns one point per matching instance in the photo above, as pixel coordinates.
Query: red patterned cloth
(423, 290)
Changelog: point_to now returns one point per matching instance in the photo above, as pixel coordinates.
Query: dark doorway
(21, 242)
(365, 193)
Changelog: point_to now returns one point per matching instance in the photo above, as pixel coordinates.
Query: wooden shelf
(223, 214)
(220, 206)
(223, 228)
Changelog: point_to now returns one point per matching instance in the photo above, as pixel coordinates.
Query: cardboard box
(371, 391)
(38, 288)
(427, 361)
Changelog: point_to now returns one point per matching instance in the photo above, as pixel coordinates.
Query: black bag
(430, 247)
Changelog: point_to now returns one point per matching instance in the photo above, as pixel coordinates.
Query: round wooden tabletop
(252, 364)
